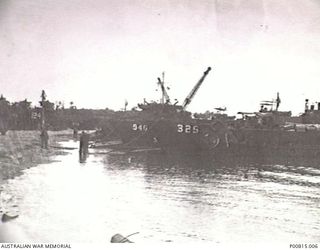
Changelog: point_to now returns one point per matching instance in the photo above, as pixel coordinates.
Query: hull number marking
(139, 127)
(188, 129)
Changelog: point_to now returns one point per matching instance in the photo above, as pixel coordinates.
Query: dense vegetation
(23, 116)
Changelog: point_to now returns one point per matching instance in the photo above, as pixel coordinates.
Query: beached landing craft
(267, 134)
(165, 126)
(162, 125)
(270, 132)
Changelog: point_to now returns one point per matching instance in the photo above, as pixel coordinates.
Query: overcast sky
(98, 53)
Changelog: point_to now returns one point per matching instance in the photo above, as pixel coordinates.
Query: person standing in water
(83, 147)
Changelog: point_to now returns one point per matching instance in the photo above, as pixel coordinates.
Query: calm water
(164, 198)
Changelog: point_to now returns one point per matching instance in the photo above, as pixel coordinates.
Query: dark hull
(234, 157)
(186, 135)
(203, 137)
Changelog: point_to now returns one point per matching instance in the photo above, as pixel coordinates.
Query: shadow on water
(257, 195)
(274, 168)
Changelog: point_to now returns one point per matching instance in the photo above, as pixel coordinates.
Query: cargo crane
(275, 102)
(189, 98)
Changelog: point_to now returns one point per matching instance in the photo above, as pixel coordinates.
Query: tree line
(22, 115)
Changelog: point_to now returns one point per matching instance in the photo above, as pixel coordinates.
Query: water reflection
(166, 197)
(243, 199)
(83, 157)
(202, 167)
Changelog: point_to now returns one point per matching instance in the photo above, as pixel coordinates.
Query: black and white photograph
(161, 123)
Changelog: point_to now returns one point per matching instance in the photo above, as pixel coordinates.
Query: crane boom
(189, 98)
(165, 97)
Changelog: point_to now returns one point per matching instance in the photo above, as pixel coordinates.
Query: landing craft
(162, 125)
(271, 132)
(166, 126)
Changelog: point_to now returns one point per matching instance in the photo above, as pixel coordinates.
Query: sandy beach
(20, 150)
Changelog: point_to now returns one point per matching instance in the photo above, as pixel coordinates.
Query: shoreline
(20, 150)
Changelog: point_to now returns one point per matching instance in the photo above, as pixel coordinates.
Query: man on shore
(44, 137)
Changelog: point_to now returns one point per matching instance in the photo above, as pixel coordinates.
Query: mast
(125, 105)
(278, 101)
(275, 103)
(165, 97)
(43, 99)
(189, 98)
